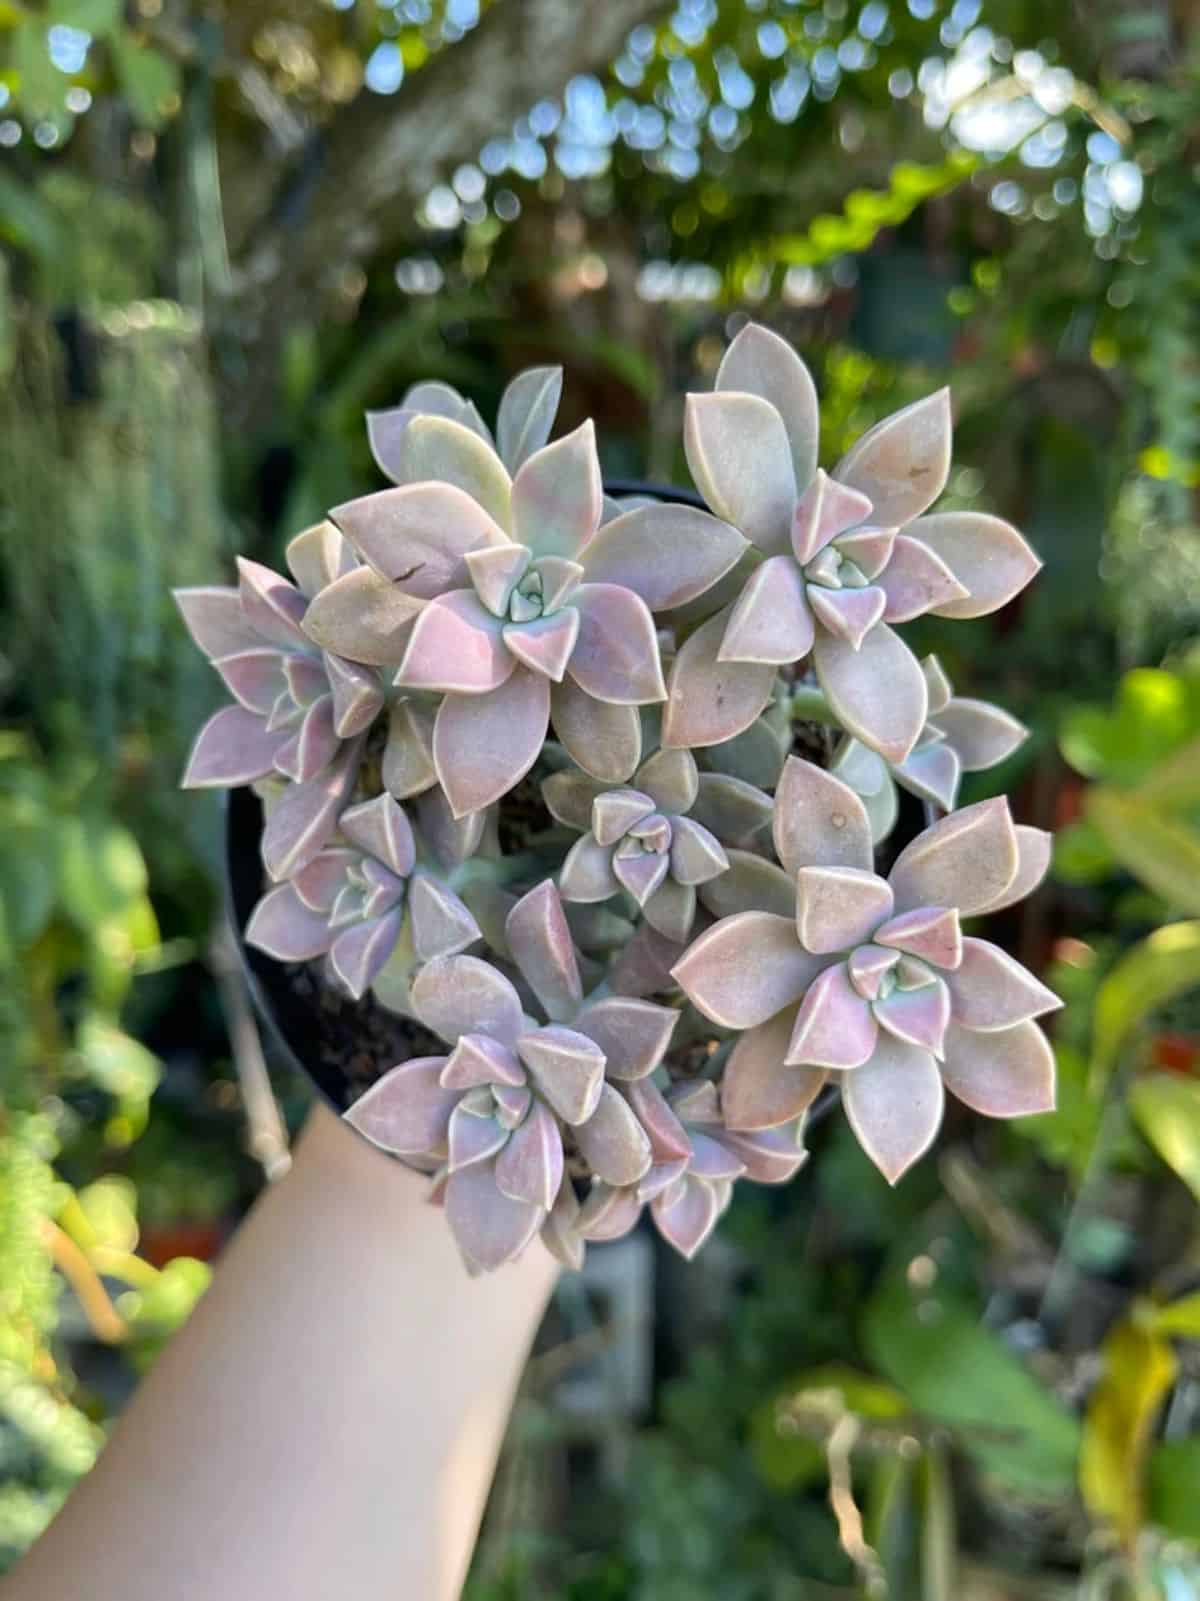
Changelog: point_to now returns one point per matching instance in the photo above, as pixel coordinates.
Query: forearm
(327, 1422)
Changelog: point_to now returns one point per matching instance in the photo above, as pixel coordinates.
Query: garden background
(229, 229)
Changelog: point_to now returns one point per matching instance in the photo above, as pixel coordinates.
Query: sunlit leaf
(1160, 848)
(1165, 964)
(1166, 1108)
(1139, 1369)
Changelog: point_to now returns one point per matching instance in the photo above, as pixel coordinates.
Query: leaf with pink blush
(567, 1068)
(686, 1214)
(736, 812)
(902, 464)
(545, 643)
(457, 995)
(966, 860)
(758, 1091)
(640, 872)
(932, 772)
(570, 796)
(313, 745)
(825, 510)
(612, 1141)
(916, 580)
(894, 1105)
(877, 692)
(918, 1016)
(483, 745)
(633, 1034)
(669, 555)
(560, 1232)
(456, 646)
(669, 1142)
(930, 932)
(232, 748)
(438, 450)
(495, 571)
(839, 907)
(758, 362)
(608, 1213)
(771, 1155)
(819, 821)
(711, 1160)
(557, 496)
(710, 700)
(442, 925)
(672, 909)
(982, 734)
(834, 1027)
(695, 855)
(283, 926)
(526, 414)
(490, 1228)
(671, 779)
(540, 943)
(605, 740)
(745, 969)
(385, 429)
(478, 1060)
(215, 619)
(848, 613)
(987, 555)
(358, 955)
(771, 620)
(318, 555)
(273, 607)
(472, 1138)
(419, 535)
(357, 695)
(991, 990)
(319, 883)
(363, 617)
(1005, 1074)
(616, 657)
(530, 1167)
(381, 828)
(615, 811)
(867, 967)
(659, 1176)
(587, 873)
(738, 451)
(1034, 849)
(406, 1111)
(751, 884)
(451, 839)
(870, 549)
(254, 678)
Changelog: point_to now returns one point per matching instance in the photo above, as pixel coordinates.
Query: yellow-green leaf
(1166, 1108)
(1164, 965)
(1179, 1318)
(1139, 1369)
(1156, 845)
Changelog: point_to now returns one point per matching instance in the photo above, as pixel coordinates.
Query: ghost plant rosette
(525, 759)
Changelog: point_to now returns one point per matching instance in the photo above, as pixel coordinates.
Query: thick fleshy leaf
(740, 457)
(407, 1110)
(451, 839)
(615, 811)
(633, 1034)
(319, 884)
(541, 945)
(254, 678)
(916, 580)
(483, 745)
(981, 734)
(456, 646)
(686, 1214)
(381, 828)
(864, 770)
(671, 779)
(461, 995)
(669, 555)
(216, 621)
(313, 745)
(696, 1100)
(930, 932)
(385, 429)
(1034, 849)
(669, 1142)
(758, 362)
(490, 1228)
(560, 579)
(903, 462)
(587, 873)
(640, 872)
(819, 821)
(358, 954)
(991, 990)
(1005, 1074)
(758, 1091)
(545, 643)
(419, 535)
(712, 1160)
(608, 1213)
(318, 555)
(771, 620)
(736, 812)
(834, 1026)
(838, 907)
(567, 1067)
(569, 797)
(849, 614)
(825, 510)
(434, 449)
(745, 969)
(987, 555)
(232, 748)
(283, 926)
(526, 414)
(557, 496)
(605, 740)
(867, 967)
(530, 1167)
(750, 884)
(894, 1105)
(472, 1139)
(273, 607)
(756, 755)
(877, 692)
(616, 657)
(362, 617)
(560, 1232)
(918, 1016)
(495, 571)
(303, 820)
(771, 1156)
(479, 1060)
(932, 771)
(870, 549)
(612, 1141)
(695, 855)
(672, 909)
(939, 686)
(710, 700)
(966, 860)
(357, 695)
(442, 925)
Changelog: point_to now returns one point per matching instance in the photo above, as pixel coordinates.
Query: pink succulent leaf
(937, 683)
(560, 1232)
(358, 954)
(1005, 1074)
(669, 1142)
(381, 828)
(672, 909)
(530, 1167)
(739, 455)
(544, 644)
(746, 968)
(712, 1160)
(758, 362)
(303, 820)
(980, 733)
(349, 907)
(318, 555)
(771, 1156)
(615, 811)
(215, 619)
(933, 772)
(306, 679)
(710, 700)
(472, 1138)
(966, 860)
(991, 990)
(556, 495)
(451, 839)
(687, 1213)
(540, 943)
(313, 746)
(867, 967)
(254, 678)
(283, 926)
(273, 607)
(318, 884)
(929, 932)
(757, 1090)
(385, 429)
(696, 1100)
(987, 555)
(418, 536)
(457, 995)
(560, 579)
(570, 796)
(608, 1213)
(644, 963)
(633, 1034)
(671, 779)
(839, 907)
(587, 873)
(902, 464)
(771, 622)
(695, 855)
(916, 580)
(483, 745)
(877, 692)
(894, 1105)
(526, 414)
(819, 821)
(640, 872)
(616, 658)
(432, 396)
(406, 1111)
(605, 740)
(834, 1027)
(1034, 848)
(478, 1061)
(567, 1068)
(362, 617)
(496, 570)
(442, 925)
(612, 1141)
(456, 646)
(825, 510)
(234, 747)
(490, 1228)
(870, 549)
(659, 1177)
(437, 450)
(751, 884)
(669, 555)
(917, 1016)
(849, 614)
(384, 889)
(357, 695)
(736, 812)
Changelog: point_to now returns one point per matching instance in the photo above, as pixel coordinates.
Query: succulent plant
(647, 961)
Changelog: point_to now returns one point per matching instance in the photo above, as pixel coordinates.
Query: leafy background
(229, 229)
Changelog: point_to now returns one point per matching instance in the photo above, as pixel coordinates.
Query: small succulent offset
(529, 764)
